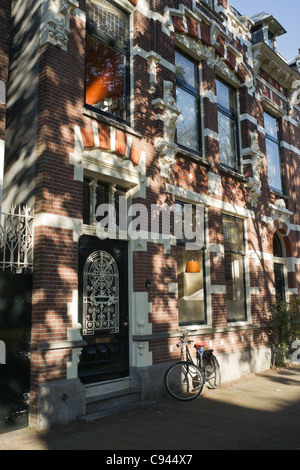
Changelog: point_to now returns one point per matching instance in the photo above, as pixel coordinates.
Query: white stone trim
(188, 195)
(59, 221)
(2, 92)
(216, 289)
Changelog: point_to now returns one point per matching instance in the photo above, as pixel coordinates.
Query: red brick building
(185, 104)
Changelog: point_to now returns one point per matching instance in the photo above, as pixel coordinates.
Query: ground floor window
(191, 298)
(234, 268)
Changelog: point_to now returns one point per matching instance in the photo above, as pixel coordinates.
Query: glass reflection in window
(273, 152)
(187, 97)
(227, 125)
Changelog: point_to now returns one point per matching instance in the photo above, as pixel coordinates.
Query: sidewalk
(259, 412)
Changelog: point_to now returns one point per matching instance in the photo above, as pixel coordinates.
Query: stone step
(92, 417)
(110, 400)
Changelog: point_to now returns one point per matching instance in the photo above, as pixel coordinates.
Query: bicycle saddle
(200, 345)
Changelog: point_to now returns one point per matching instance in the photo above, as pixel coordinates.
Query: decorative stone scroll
(56, 21)
(165, 145)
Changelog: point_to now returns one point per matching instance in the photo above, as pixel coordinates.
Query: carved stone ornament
(166, 146)
(153, 60)
(208, 53)
(56, 21)
(295, 95)
(254, 183)
(279, 211)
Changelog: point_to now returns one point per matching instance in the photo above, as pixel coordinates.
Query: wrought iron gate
(16, 265)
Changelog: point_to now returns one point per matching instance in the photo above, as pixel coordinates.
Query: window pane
(105, 78)
(271, 126)
(185, 70)
(273, 159)
(226, 97)
(191, 306)
(233, 234)
(235, 295)
(108, 19)
(227, 140)
(187, 124)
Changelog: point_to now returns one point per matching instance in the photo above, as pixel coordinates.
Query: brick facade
(74, 141)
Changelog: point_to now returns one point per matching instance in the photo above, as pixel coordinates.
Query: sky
(286, 12)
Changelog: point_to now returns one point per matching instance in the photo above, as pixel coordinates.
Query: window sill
(279, 194)
(110, 122)
(192, 156)
(233, 173)
(200, 330)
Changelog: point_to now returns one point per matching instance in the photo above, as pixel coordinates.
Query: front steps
(113, 403)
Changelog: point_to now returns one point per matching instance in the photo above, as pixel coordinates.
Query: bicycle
(184, 380)
(209, 365)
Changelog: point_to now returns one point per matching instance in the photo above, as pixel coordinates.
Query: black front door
(103, 309)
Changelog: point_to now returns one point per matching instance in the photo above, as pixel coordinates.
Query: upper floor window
(107, 59)
(273, 152)
(227, 125)
(210, 3)
(187, 97)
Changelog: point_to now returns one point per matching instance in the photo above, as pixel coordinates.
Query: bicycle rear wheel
(214, 377)
(184, 381)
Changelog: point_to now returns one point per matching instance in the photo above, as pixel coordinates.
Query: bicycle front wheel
(184, 381)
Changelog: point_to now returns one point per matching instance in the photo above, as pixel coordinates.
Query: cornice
(274, 65)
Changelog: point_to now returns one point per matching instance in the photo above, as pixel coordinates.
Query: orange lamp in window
(192, 267)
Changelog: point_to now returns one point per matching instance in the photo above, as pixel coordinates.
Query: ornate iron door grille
(100, 294)
(16, 240)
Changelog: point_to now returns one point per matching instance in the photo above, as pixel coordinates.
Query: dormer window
(266, 29)
(271, 40)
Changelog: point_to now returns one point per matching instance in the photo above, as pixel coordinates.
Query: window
(234, 268)
(191, 298)
(107, 59)
(273, 152)
(187, 97)
(227, 124)
(277, 246)
(96, 193)
(210, 3)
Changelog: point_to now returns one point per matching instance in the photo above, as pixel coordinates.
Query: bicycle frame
(185, 354)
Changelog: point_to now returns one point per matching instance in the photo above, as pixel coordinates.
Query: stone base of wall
(60, 402)
(233, 365)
